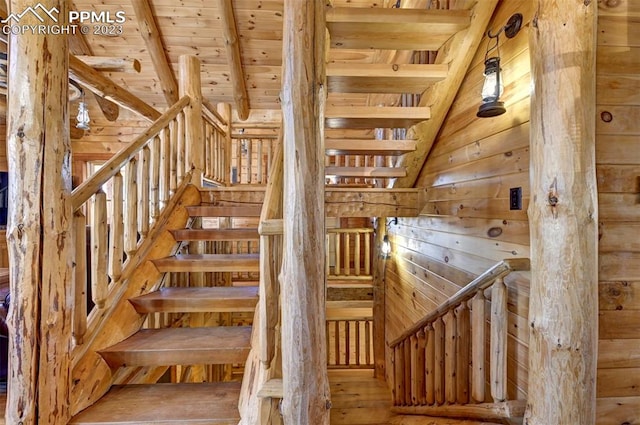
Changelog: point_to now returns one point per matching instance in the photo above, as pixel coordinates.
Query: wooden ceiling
(197, 27)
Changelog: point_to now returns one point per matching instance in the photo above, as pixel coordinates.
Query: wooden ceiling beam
(458, 53)
(111, 64)
(232, 43)
(78, 46)
(151, 35)
(105, 87)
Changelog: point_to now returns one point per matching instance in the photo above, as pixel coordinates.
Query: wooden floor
(357, 398)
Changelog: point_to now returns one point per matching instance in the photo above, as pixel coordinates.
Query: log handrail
(480, 283)
(82, 193)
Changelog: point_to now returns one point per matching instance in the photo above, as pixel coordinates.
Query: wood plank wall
(467, 224)
(618, 172)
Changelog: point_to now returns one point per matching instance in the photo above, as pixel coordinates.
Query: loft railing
(439, 362)
(350, 343)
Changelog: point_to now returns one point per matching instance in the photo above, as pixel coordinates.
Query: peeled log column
(304, 344)
(39, 230)
(563, 215)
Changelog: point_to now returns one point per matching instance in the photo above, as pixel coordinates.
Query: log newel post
(190, 85)
(40, 232)
(304, 345)
(379, 267)
(563, 216)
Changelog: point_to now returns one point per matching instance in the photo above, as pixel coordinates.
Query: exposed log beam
(105, 87)
(78, 46)
(458, 53)
(304, 370)
(111, 64)
(232, 43)
(39, 233)
(373, 202)
(563, 215)
(151, 35)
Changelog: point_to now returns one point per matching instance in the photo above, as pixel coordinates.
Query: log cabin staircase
(124, 355)
(193, 336)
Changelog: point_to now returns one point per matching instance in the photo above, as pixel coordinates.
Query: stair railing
(439, 362)
(120, 203)
(348, 253)
(217, 143)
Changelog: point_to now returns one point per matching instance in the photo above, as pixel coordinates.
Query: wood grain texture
(305, 381)
(563, 342)
(39, 233)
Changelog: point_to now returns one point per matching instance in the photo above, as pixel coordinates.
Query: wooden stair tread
(209, 263)
(368, 147)
(215, 234)
(375, 116)
(365, 171)
(383, 77)
(393, 28)
(167, 404)
(189, 300)
(224, 211)
(181, 346)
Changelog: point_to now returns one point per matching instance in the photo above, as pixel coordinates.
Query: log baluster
(463, 341)
(450, 356)
(165, 165)
(131, 203)
(154, 187)
(478, 340)
(99, 251)
(498, 360)
(430, 358)
(116, 238)
(143, 191)
(80, 278)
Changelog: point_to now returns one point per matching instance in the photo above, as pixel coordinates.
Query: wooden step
(368, 147)
(224, 211)
(383, 77)
(219, 299)
(375, 116)
(393, 28)
(215, 234)
(365, 172)
(166, 404)
(181, 346)
(209, 263)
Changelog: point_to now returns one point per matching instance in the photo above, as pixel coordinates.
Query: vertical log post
(498, 356)
(304, 346)
(478, 350)
(39, 233)
(224, 109)
(80, 278)
(563, 215)
(116, 234)
(190, 85)
(378, 282)
(99, 249)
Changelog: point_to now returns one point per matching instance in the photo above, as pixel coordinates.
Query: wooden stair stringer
(91, 377)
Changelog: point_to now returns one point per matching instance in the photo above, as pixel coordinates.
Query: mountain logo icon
(39, 11)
